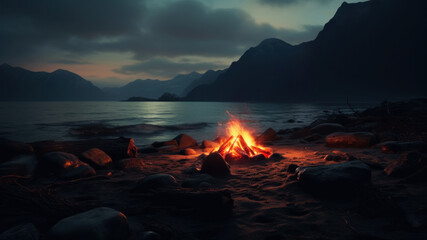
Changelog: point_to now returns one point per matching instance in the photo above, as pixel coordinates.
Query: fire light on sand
(240, 143)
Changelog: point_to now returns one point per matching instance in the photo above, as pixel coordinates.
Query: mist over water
(152, 121)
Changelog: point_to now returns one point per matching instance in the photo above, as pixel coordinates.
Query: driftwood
(117, 149)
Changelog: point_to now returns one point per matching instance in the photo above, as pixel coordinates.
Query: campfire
(240, 143)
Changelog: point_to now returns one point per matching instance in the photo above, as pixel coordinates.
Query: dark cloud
(68, 30)
(292, 2)
(166, 68)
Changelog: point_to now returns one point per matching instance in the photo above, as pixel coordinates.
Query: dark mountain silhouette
(207, 78)
(152, 88)
(368, 51)
(18, 84)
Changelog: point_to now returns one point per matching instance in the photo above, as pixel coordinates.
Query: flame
(240, 142)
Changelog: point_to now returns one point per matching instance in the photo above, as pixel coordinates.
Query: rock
(407, 164)
(96, 224)
(188, 151)
(195, 180)
(267, 136)
(10, 149)
(22, 232)
(150, 235)
(215, 165)
(395, 147)
(350, 140)
(130, 163)
(65, 166)
(209, 144)
(165, 143)
(327, 128)
(96, 158)
(185, 141)
(335, 179)
(313, 137)
(23, 165)
(292, 168)
(157, 181)
(276, 157)
(257, 158)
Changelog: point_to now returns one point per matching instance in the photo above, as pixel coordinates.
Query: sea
(148, 122)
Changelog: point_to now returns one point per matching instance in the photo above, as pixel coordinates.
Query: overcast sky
(112, 42)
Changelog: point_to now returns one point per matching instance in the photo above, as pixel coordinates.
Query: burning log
(245, 146)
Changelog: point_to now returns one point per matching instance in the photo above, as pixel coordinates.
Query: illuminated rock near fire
(215, 165)
(64, 165)
(407, 164)
(96, 157)
(188, 151)
(268, 135)
(96, 224)
(209, 144)
(130, 163)
(350, 140)
(185, 141)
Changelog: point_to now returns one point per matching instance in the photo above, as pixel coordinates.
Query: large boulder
(215, 165)
(65, 166)
(185, 141)
(23, 165)
(10, 149)
(267, 136)
(97, 224)
(350, 140)
(335, 179)
(157, 181)
(96, 158)
(22, 232)
(327, 128)
(128, 163)
(406, 165)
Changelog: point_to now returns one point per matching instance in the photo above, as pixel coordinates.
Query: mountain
(370, 50)
(152, 88)
(207, 78)
(18, 84)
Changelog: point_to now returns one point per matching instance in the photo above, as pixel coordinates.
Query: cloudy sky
(112, 42)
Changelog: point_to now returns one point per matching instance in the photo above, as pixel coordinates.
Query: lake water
(154, 121)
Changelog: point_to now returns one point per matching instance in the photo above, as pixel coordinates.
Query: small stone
(276, 157)
(65, 166)
(185, 141)
(96, 158)
(292, 168)
(157, 181)
(215, 165)
(188, 151)
(96, 224)
(267, 136)
(22, 232)
(128, 163)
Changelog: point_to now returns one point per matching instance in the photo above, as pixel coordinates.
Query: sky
(112, 42)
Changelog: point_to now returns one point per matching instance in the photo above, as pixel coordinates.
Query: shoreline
(267, 199)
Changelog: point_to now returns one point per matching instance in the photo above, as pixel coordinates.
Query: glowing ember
(240, 144)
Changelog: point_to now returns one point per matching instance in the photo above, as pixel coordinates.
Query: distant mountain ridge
(18, 84)
(370, 50)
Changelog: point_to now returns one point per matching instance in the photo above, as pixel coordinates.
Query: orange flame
(240, 142)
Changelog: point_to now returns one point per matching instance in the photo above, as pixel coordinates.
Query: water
(35, 121)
